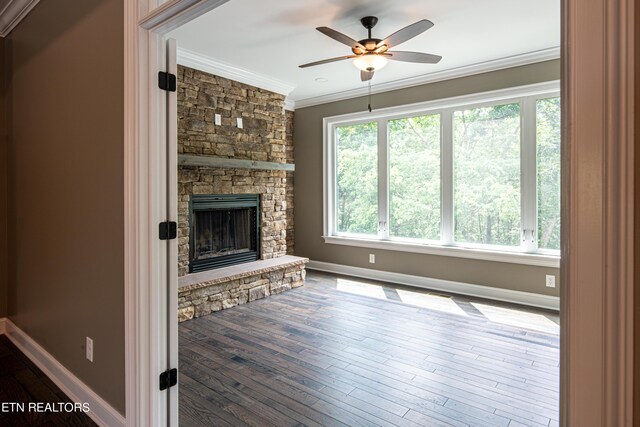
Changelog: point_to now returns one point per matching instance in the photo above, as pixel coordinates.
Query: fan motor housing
(364, 42)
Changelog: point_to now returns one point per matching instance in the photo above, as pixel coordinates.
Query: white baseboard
(499, 294)
(101, 412)
(3, 325)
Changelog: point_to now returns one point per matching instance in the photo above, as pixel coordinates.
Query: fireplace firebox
(224, 230)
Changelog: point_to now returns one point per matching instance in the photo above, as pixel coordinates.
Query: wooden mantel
(224, 162)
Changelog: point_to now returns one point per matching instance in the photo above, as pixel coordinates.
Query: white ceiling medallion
(203, 63)
(13, 12)
(467, 70)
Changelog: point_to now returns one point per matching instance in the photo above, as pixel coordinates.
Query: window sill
(540, 260)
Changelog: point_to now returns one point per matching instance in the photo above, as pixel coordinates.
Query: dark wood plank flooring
(22, 382)
(348, 352)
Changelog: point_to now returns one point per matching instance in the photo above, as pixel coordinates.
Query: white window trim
(525, 95)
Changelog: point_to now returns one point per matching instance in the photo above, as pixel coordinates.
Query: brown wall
(65, 186)
(3, 186)
(308, 188)
(636, 272)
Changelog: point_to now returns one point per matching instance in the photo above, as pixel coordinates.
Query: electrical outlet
(372, 258)
(239, 122)
(550, 281)
(89, 349)
(218, 119)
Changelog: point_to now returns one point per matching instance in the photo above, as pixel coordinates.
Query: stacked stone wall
(266, 135)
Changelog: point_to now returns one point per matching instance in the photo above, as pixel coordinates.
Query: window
(548, 155)
(475, 176)
(486, 160)
(357, 178)
(414, 177)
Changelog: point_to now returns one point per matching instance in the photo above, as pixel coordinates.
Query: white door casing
(172, 216)
(597, 311)
(150, 198)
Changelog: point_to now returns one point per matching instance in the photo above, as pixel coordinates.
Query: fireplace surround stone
(270, 185)
(266, 138)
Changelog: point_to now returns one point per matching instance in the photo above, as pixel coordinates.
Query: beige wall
(3, 186)
(308, 188)
(65, 186)
(636, 210)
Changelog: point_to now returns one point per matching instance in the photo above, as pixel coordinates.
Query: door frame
(597, 209)
(147, 324)
(597, 266)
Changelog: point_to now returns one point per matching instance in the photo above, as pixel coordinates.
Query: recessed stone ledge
(239, 271)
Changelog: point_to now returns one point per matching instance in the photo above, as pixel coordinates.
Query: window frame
(526, 253)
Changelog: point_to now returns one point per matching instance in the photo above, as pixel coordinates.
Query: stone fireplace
(197, 182)
(235, 188)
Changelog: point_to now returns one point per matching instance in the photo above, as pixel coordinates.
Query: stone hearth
(203, 293)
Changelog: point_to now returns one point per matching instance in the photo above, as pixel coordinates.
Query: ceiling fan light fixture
(370, 61)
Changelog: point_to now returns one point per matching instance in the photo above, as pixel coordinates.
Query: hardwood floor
(22, 382)
(348, 352)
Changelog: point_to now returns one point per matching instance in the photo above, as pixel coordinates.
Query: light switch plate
(218, 119)
(239, 122)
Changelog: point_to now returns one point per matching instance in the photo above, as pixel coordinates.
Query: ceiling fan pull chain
(369, 95)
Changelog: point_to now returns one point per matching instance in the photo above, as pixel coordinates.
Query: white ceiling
(271, 38)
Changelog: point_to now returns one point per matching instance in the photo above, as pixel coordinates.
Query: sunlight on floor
(445, 304)
(360, 288)
(518, 318)
(418, 299)
(433, 302)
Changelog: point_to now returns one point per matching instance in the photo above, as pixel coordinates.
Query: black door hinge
(168, 379)
(167, 81)
(168, 230)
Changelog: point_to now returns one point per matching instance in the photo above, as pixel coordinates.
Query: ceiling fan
(371, 54)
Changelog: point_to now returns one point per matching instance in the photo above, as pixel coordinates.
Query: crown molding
(204, 63)
(467, 70)
(13, 13)
(200, 62)
(289, 104)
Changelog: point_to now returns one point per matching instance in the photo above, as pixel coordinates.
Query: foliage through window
(414, 177)
(357, 178)
(486, 159)
(548, 156)
(477, 175)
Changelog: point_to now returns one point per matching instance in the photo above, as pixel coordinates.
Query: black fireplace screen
(224, 231)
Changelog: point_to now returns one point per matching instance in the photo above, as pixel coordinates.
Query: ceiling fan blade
(424, 58)
(327, 61)
(340, 37)
(366, 75)
(406, 33)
